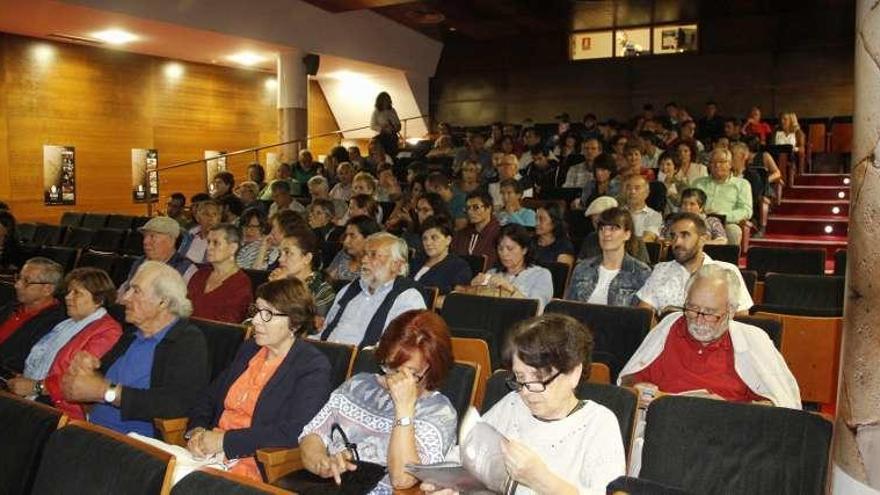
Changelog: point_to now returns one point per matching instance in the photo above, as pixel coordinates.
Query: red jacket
(97, 338)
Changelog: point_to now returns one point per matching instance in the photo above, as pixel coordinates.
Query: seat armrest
(278, 462)
(172, 430)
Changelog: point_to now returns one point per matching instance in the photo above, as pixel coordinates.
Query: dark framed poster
(144, 163)
(215, 161)
(59, 175)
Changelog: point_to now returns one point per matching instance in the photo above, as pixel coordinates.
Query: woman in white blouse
(386, 123)
(688, 167)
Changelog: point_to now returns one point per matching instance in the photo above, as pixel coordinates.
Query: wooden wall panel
(106, 102)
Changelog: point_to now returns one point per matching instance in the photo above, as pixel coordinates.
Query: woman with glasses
(556, 443)
(221, 290)
(614, 276)
(254, 226)
(275, 384)
(299, 253)
(393, 418)
(88, 328)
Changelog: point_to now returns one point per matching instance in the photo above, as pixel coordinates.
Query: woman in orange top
(276, 384)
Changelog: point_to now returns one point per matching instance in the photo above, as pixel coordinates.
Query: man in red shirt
(703, 351)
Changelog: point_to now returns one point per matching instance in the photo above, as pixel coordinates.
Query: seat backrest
(106, 262)
(258, 278)
(207, 480)
(840, 263)
(49, 235)
(750, 277)
(772, 327)
(86, 458)
(487, 318)
(120, 222)
(78, 237)
(94, 220)
(617, 331)
(806, 295)
(477, 262)
(656, 199)
(71, 219)
(474, 351)
(429, 294)
(25, 232)
(108, 240)
(561, 275)
(134, 243)
(65, 256)
(7, 291)
(805, 261)
(341, 359)
(25, 427)
(723, 252)
(655, 250)
(329, 249)
(223, 341)
(725, 447)
(138, 222)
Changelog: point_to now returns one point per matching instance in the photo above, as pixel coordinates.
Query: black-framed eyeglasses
(384, 369)
(692, 313)
(19, 278)
(536, 386)
(338, 435)
(265, 315)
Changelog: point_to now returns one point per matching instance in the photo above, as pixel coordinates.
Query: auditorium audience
(88, 328)
(254, 227)
(221, 290)
(257, 174)
(711, 125)
(277, 382)
(604, 183)
(209, 214)
(478, 238)
(381, 292)
(305, 168)
(322, 220)
(789, 132)
(11, 257)
(396, 417)
(507, 169)
(512, 210)
(580, 173)
(280, 225)
(155, 371)
(342, 189)
(754, 126)
(692, 201)
(364, 205)
(176, 208)
(689, 169)
(386, 123)
(474, 150)
(347, 263)
(726, 195)
(647, 222)
(282, 199)
(704, 349)
(437, 267)
(247, 192)
(442, 148)
(160, 235)
(299, 253)
(614, 276)
(222, 191)
(544, 173)
(551, 236)
(439, 183)
(34, 312)
(665, 287)
(668, 175)
(516, 274)
(470, 177)
(759, 169)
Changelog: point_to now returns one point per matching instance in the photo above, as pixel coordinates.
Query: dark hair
(293, 298)
(339, 153)
(4, 206)
(697, 220)
(693, 192)
(556, 214)
(280, 186)
(289, 221)
(515, 184)
(419, 169)
(550, 341)
(622, 218)
(261, 172)
(605, 161)
(482, 195)
(669, 155)
(520, 235)
(367, 226)
(307, 242)
(691, 145)
(366, 202)
(199, 197)
(438, 222)
(252, 213)
(94, 280)
(753, 142)
(226, 177)
(179, 197)
(7, 220)
(671, 104)
(383, 101)
(437, 204)
(438, 179)
(422, 331)
(326, 204)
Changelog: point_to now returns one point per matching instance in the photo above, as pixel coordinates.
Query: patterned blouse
(322, 292)
(365, 412)
(339, 267)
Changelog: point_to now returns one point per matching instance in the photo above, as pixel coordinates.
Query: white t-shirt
(423, 270)
(600, 293)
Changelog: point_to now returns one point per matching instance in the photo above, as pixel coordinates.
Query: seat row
(105, 239)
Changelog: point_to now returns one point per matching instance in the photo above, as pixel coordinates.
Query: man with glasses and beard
(665, 288)
(700, 349)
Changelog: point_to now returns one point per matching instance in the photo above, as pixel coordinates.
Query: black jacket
(180, 370)
(445, 275)
(291, 398)
(14, 350)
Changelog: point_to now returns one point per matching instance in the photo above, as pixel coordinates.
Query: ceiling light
(115, 36)
(173, 70)
(835, 210)
(828, 229)
(246, 58)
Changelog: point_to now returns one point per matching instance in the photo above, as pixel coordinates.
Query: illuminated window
(632, 42)
(596, 44)
(675, 38)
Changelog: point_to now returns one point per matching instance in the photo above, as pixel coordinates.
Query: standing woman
(386, 123)
(221, 291)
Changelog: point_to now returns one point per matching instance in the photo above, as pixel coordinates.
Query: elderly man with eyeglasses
(702, 350)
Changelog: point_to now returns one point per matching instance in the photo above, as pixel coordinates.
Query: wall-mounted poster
(218, 164)
(144, 162)
(59, 175)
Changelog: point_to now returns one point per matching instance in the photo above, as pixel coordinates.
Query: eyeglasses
(384, 369)
(25, 281)
(537, 386)
(339, 436)
(265, 314)
(692, 313)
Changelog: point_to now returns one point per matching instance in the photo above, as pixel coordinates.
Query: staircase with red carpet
(814, 213)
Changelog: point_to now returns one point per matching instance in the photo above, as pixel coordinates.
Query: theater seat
(65, 256)
(86, 458)
(477, 263)
(804, 261)
(223, 341)
(216, 482)
(71, 219)
(119, 222)
(25, 427)
(78, 237)
(772, 327)
(840, 263)
(341, 359)
(561, 275)
(627, 485)
(134, 243)
(48, 235)
(25, 232)
(94, 221)
(108, 240)
(805, 295)
(723, 252)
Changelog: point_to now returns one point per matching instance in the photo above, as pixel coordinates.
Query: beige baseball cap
(600, 204)
(162, 225)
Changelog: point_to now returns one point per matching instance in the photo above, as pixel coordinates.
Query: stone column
(856, 449)
(293, 97)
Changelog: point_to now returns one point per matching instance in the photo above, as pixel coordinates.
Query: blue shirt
(457, 204)
(523, 216)
(131, 370)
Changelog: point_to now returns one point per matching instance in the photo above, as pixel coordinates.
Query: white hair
(717, 272)
(398, 247)
(319, 181)
(169, 286)
(721, 151)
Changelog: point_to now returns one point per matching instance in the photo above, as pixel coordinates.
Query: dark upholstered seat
(25, 427)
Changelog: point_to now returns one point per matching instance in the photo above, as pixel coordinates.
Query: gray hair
(230, 231)
(319, 181)
(398, 247)
(713, 272)
(53, 272)
(169, 286)
(727, 155)
(739, 146)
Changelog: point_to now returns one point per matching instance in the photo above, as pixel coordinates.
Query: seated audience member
(568, 151)
(516, 274)
(442, 148)
(692, 201)
(322, 220)
(282, 174)
(427, 205)
(470, 177)
(551, 236)
(479, 237)
(364, 183)
(668, 175)
(222, 187)
(544, 172)
(209, 214)
(247, 192)
(557, 442)
(474, 150)
(160, 235)
(726, 195)
(439, 183)
(356, 159)
(176, 208)
(344, 175)
(283, 223)
(299, 254)
(347, 263)
(512, 210)
(155, 371)
(613, 277)
(438, 267)
(257, 174)
(507, 169)
(364, 307)
(580, 173)
(705, 349)
(711, 125)
(11, 257)
(277, 382)
(754, 126)
(282, 199)
(590, 247)
(388, 186)
(789, 132)
(634, 163)
(759, 169)
(88, 328)
(531, 139)
(604, 183)
(689, 169)
(221, 291)
(646, 221)
(366, 205)
(396, 417)
(306, 167)
(254, 226)
(666, 285)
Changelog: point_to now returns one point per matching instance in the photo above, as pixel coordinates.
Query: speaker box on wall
(312, 62)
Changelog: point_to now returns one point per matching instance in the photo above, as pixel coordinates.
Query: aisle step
(817, 207)
(807, 225)
(831, 243)
(822, 180)
(817, 192)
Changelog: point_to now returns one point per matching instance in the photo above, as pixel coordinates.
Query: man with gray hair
(726, 194)
(154, 371)
(701, 349)
(364, 307)
(160, 235)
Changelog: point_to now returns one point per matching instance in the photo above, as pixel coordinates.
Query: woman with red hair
(392, 418)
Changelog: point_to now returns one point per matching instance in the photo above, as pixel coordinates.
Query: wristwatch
(404, 421)
(110, 394)
(38, 388)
